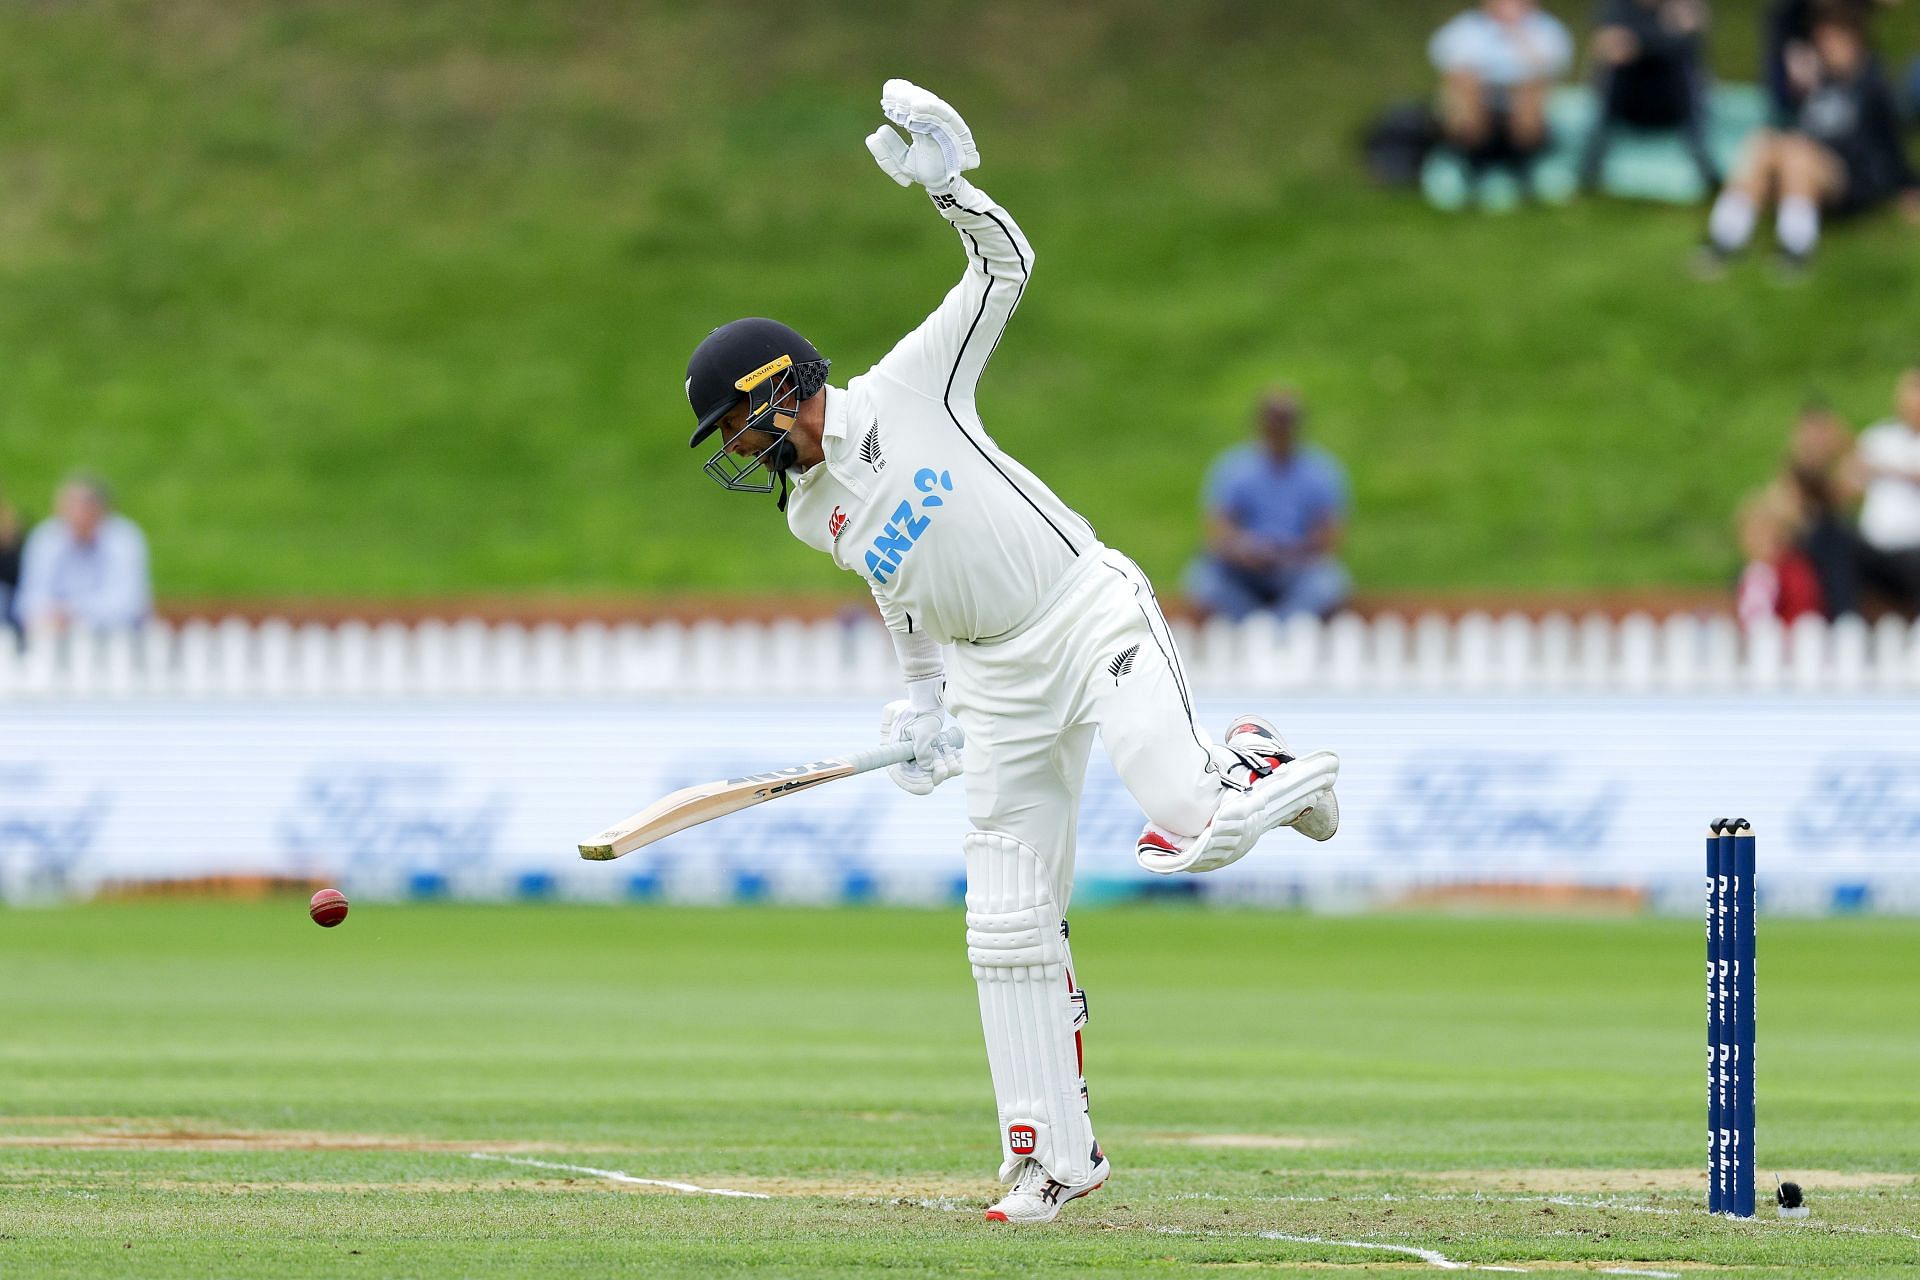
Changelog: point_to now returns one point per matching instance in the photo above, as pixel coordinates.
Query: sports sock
(1798, 225)
(1731, 223)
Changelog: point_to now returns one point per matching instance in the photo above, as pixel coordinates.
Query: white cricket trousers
(1101, 659)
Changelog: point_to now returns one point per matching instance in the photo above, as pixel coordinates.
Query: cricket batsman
(1008, 615)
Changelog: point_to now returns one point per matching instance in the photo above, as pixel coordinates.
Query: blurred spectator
(1844, 155)
(1802, 547)
(1648, 74)
(10, 535)
(84, 566)
(1496, 64)
(1822, 485)
(1889, 461)
(1274, 514)
(1791, 67)
(1778, 580)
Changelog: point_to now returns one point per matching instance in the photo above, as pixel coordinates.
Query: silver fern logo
(870, 448)
(1122, 664)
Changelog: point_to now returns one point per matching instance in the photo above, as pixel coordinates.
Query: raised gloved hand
(941, 148)
(934, 757)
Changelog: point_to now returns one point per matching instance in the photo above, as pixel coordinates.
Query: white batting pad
(1245, 816)
(1029, 1009)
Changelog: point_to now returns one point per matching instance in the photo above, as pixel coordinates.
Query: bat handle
(888, 754)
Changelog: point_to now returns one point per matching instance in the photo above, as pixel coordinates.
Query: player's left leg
(1206, 803)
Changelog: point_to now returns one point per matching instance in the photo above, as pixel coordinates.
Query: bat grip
(888, 754)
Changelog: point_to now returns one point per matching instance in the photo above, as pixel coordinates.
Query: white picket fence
(1682, 653)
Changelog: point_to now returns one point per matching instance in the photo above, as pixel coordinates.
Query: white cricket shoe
(1255, 736)
(1036, 1197)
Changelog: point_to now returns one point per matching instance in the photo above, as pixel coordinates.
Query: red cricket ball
(328, 908)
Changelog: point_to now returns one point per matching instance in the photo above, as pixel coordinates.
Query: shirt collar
(833, 427)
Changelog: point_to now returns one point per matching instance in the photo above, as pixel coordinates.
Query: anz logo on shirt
(910, 520)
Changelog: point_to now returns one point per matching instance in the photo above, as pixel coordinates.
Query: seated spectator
(1274, 515)
(85, 566)
(1648, 72)
(1821, 483)
(1778, 581)
(1845, 154)
(1497, 63)
(1889, 460)
(10, 534)
(1790, 67)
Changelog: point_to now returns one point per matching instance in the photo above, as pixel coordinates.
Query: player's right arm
(944, 357)
(920, 717)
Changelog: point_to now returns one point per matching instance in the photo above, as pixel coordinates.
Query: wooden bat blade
(691, 806)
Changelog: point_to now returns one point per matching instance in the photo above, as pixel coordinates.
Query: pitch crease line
(1430, 1256)
(614, 1175)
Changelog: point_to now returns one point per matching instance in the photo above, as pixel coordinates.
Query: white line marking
(946, 1204)
(1440, 1260)
(1428, 1256)
(1609, 1202)
(1629, 1271)
(614, 1175)
(1809, 1224)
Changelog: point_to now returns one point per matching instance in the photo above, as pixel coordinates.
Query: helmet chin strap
(780, 459)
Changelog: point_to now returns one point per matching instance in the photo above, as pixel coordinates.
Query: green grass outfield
(395, 300)
(193, 1089)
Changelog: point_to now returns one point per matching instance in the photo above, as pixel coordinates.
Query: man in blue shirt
(85, 568)
(1275, 510)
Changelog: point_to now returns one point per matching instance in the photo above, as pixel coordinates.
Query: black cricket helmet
(773, 369)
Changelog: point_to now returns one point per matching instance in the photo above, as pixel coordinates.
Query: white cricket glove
(940, 148)
(934, 758)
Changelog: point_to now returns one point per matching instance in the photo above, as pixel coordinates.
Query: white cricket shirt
(1890, 515)
(955, 539)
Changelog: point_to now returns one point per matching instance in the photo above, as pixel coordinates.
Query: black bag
(1397, 142)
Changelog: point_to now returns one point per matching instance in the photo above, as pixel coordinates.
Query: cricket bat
(703, 802)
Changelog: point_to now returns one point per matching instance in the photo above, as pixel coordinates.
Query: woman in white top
(1888, 456)
(1496, 64)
